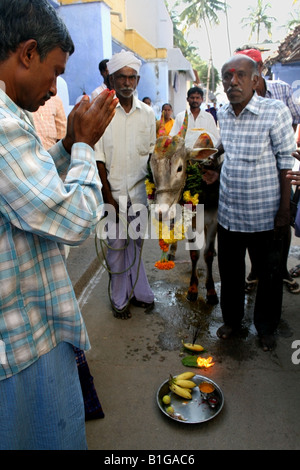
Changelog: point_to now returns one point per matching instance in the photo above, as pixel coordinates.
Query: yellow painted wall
(129, 37)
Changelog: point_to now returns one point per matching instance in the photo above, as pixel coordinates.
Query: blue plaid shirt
(46, 200)
(278, 90)
(258, 144)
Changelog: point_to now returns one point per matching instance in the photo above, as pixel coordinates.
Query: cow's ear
(200, 154)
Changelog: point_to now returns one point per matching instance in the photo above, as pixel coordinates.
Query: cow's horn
(183, 130)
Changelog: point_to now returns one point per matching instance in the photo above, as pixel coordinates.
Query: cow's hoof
(171, 257)
(192, 296)
(212, 299)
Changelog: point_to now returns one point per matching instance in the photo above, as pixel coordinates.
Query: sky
(239, 35)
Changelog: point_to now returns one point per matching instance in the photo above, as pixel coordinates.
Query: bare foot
(122, 314)
(224, 331)
(267, 342)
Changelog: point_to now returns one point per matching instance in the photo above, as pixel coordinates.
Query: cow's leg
(194, 250)
(172, 251)
(209, 254)
(192, 294)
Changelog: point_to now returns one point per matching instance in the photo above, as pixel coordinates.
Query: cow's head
(168, 165)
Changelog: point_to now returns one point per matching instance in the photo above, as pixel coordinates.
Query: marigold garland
(164, 246)
(164, 264)
(167, 236)
(150, 189)
(190, 195)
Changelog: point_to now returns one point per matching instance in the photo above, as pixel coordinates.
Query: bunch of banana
(182, 385)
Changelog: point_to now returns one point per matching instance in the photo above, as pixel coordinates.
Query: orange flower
(164, 264)
(163, 246)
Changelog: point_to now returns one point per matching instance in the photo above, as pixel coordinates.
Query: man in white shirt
(122, 155)
(197, 118)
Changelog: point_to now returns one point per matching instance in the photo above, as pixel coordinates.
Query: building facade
(101, 28)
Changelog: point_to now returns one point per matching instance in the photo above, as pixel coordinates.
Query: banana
(182, 392)
(193, 347)
(185, 376)
(184, 383)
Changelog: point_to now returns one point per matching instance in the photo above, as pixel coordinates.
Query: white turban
(123, 59)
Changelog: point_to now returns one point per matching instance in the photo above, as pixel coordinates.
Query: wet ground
(130, 359)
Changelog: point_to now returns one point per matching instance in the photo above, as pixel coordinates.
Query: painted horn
(183, 130)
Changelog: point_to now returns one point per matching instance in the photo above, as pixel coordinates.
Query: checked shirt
(258, 144)
(39, 212)
(279, 90)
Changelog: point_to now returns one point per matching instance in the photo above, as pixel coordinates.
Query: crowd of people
(57, 172)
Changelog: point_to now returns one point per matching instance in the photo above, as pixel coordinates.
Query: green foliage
(202, 10)
(190, 52)
(257, 19)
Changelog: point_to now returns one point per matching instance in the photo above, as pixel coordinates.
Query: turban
(123, 59)
(252, 53)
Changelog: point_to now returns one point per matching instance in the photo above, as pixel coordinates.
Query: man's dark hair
(21, 20)
(102, 65)
(195, 89)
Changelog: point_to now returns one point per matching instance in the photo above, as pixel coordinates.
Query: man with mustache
(48, 199)
(197, 118)
(258, 141)
(275, 89)
(122, 155)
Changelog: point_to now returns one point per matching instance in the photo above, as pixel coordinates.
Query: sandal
(295, 272)
(292, 286)
(250, 286)
(141, 304)
(250, 283)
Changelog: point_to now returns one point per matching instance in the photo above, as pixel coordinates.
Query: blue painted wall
(89, 26)
(288, 73)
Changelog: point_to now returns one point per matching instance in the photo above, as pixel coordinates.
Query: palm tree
(203, 11)
(258, 18)
(191, 53)
(293, 21)
(227, 26)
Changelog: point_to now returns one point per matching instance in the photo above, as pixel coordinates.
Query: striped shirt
(258, 144)
(46, 200)
(279, 90)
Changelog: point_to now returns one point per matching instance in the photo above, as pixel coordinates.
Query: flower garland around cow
(191, 195)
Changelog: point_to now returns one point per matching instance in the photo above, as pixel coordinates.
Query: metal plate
(196, 410)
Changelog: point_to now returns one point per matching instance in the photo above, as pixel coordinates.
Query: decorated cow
(175, 177)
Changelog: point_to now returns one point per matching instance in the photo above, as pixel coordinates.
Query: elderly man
(279, 90)
(258, 140)
(40, 322)
(122, 155)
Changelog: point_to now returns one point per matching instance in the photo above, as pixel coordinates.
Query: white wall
(150, 18)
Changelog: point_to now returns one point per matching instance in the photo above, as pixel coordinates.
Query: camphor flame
(205, 362)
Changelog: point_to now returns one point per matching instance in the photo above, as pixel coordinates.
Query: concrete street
(130, 359)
